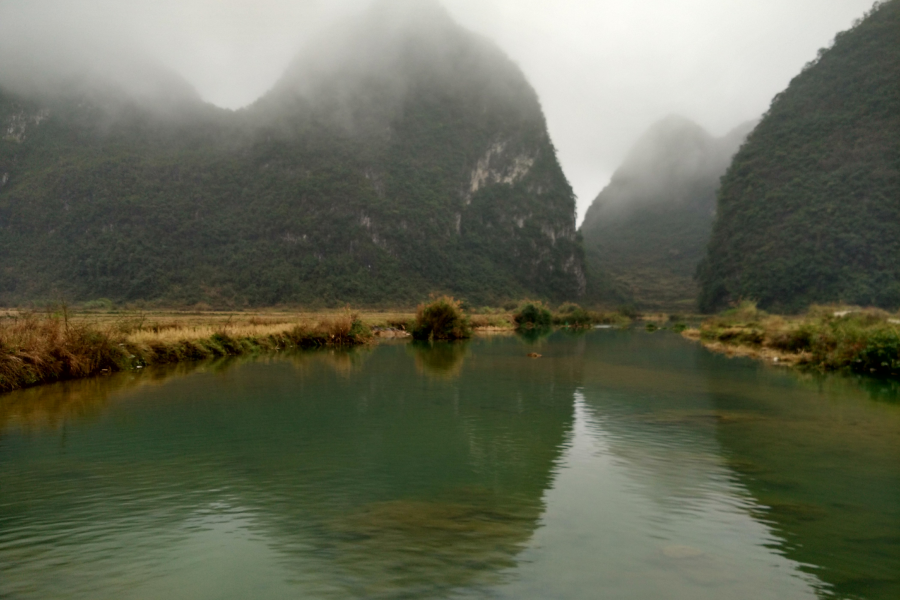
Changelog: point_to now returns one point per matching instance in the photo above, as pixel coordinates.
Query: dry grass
(763, 353)
(189, 333)
(37, 348)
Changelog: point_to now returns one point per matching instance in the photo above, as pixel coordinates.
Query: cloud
(604, 70)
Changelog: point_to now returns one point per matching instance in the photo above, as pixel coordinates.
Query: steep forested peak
(397, 46)
(668, 143)
(371, 43)
(141, 104)
(665, 165)
(646, 231)
(808, 210)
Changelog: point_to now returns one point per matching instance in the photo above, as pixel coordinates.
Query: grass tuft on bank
(442, 319)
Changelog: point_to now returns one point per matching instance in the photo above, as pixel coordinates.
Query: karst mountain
(399, 155)
(809, 211)
(648, 229)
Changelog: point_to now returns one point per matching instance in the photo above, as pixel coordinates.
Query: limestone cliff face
(19, 122)
(398, 156)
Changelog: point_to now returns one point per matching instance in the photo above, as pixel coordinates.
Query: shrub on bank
(346, 330)
(866, 341)
(533, 315)
(441, 319)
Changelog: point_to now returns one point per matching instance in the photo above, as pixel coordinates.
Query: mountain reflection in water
(354, 468)
(621, 462)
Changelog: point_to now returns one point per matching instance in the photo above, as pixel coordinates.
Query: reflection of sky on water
(634, 517)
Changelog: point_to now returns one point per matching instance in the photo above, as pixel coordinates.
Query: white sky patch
(604, 70)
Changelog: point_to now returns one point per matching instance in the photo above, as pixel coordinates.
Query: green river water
(621, 464)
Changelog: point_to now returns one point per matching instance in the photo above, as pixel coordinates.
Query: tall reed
(36, 348)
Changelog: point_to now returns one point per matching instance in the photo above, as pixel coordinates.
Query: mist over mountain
(397, 156)
(648, 229)
(809, 211)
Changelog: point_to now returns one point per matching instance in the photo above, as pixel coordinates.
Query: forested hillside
(399, 155)
(648, 229)
(809, 210)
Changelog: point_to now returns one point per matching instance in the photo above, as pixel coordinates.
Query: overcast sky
(604, 70)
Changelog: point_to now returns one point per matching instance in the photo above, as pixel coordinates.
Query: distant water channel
(621, 464)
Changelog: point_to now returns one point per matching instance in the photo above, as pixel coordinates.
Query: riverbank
(830, 338)
(42, 348)
(59, 345)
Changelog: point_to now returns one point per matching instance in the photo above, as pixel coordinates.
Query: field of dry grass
(43, 347)
(185, 318)
(37, 347)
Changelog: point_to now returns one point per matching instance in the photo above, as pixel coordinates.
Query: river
(620, 464)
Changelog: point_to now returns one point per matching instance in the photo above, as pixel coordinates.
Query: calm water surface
(622, 464)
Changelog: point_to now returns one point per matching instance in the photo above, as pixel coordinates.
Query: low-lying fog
(604, 71)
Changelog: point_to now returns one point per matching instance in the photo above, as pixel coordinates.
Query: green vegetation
(533, 315)
(44, 348)
(572, 315)
(808, 210)
(648, 229)
(491, 321)
(827, 337)
(441, 319)
(425, 165)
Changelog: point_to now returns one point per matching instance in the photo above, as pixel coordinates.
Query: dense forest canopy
(809, 210)
(398, 156)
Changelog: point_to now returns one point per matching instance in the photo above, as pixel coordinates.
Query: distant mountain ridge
(411, 157)
(809, 211)
(648, 229)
